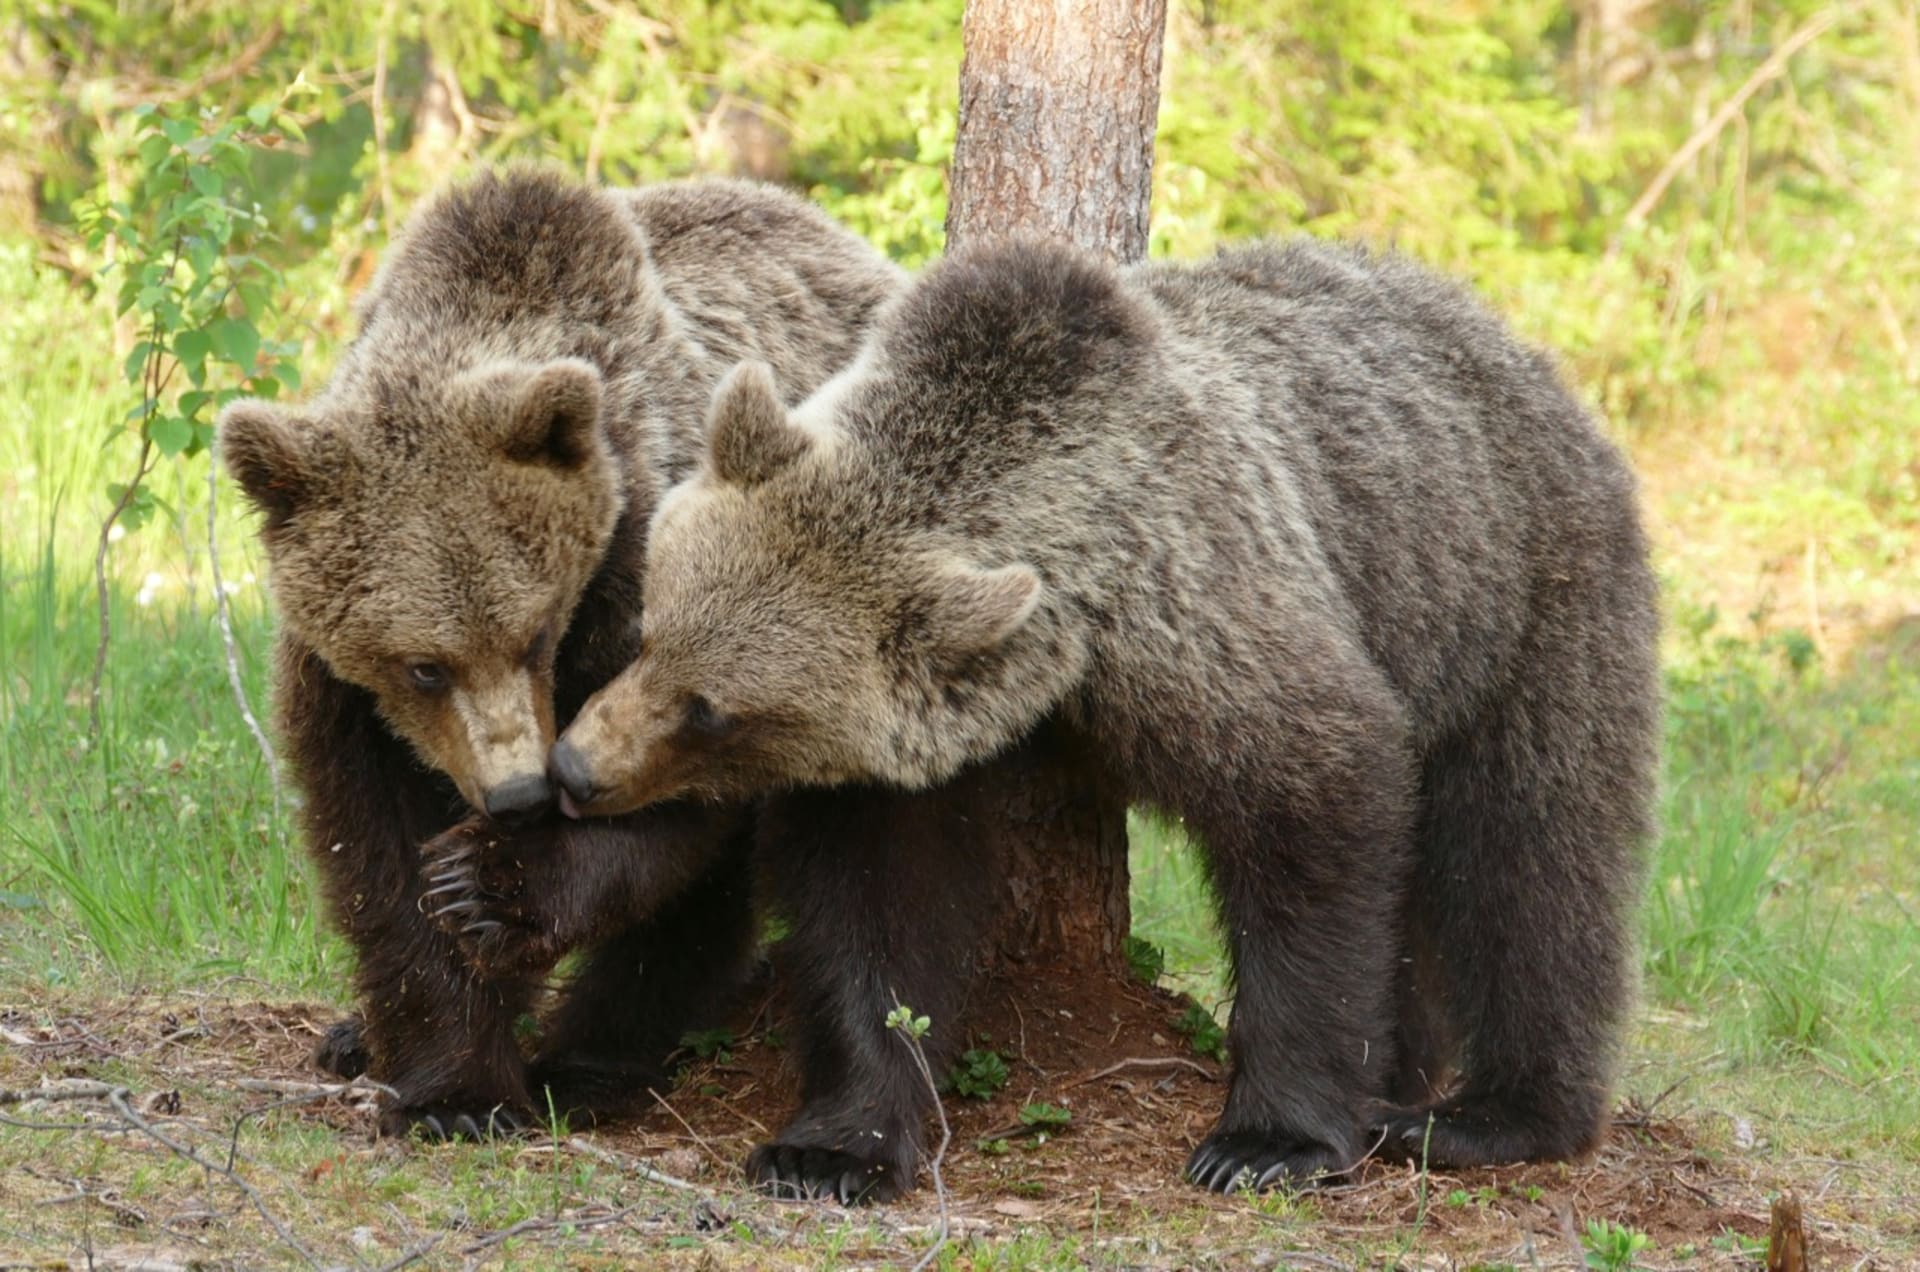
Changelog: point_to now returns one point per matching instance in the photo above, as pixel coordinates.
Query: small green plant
(709, 1044)
(186, 245)
(1202, 1032)
(1611, 1246)
(914, 1027)
(1460, 1198)
(1046, 1117)
(1147, 961)
(1739, 1243)
(980, 1074)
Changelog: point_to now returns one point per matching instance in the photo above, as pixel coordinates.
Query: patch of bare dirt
(1139, 1100)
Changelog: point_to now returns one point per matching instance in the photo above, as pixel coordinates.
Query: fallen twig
(699, 1139)
(117, 1098)
(226, 636)
(630, 1164)
(1148, 1062)
(294, 1093)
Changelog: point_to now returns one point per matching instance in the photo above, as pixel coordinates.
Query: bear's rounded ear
(749, 438)
(972, 611)
(555, 415)
(263, 450)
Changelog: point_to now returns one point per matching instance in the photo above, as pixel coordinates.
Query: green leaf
(206, 180)
(192, 348)
(1044, 1114)
(171, 434)
(235, 340)
(154, 149)
(136, 368)
(260, 114)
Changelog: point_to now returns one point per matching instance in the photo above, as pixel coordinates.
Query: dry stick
(633, 1165)
(226, 634)
(313, 1093)
(117, 1097)
(699, 1139)
(1767, 71)
(1161, 1062)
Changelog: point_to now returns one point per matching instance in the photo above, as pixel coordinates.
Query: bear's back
(1446, 475)
(762, 273)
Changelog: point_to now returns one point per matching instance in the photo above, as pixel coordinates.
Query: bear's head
(430, 538)
(792, 634)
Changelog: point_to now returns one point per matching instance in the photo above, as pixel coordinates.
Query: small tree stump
(1787, 1237)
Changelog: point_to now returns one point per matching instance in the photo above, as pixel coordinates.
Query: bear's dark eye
(428, 677)
(704, 717)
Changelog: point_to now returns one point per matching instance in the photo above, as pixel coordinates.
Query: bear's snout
(569, 770)
(518, 796)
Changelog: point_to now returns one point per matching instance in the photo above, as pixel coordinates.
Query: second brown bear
(1315, 554)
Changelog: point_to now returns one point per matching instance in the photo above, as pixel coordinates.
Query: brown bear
(456, 526)
(1318, 557)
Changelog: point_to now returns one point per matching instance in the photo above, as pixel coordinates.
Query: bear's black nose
(518, 796)
(569, 768)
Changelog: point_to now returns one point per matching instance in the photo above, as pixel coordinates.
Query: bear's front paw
(479, 893)
(441, 1121)
(826, 1174)
(1261, 1159)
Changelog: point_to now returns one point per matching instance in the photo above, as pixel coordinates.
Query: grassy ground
(156, 929)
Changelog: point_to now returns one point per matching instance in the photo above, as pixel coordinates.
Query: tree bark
(1058, 100)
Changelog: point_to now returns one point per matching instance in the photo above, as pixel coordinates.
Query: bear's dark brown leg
(888, 895)
(1310, 900)
(1426, 1048)
(1537, 817)
(1305, 816)
(430, 1028)
(662, 899)
(607, 1042)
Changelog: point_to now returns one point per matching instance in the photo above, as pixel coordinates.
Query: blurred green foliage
(1503, 141)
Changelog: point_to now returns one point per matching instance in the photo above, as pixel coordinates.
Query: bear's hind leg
(1536, 817)
(1426, 1045)
(624, 1013)
(887, 894)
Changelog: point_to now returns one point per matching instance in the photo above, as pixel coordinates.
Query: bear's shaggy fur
(1317, 556)
(456, 528)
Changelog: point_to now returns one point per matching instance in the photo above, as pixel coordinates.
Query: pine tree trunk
(1058, 100)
